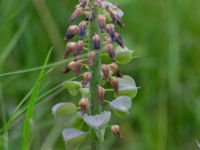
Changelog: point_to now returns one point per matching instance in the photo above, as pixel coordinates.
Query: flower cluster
(81, 39)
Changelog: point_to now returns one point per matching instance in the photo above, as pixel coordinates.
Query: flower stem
(95, 82)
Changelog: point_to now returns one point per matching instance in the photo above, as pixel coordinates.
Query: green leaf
(123, 55)
(62, 109)
(127, 87)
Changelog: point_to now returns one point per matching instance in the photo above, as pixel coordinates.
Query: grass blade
(31, 106)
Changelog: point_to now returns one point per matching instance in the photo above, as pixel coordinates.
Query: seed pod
(86, 78)
(96, 41)
(83, 104)
(102, 22)
(72, 30)
(70, 48)
(111, 29)
(106, 72)
(79, 48)
(82, 28)
(115, 69)
(119, 40)
(116, 130)
(91, 57)
(115, 83)
(78, 11)
(101, 94)
(109, 49)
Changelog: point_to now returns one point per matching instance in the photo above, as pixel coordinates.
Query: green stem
(95, 82)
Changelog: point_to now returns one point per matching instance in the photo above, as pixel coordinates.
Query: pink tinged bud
(79, 48)
(83, 104)
(72, 30)
(101, 94)
(106, 72)
(109, 49)
(115, 84)
(111, 29)
(86, 78)
(91, 57)
(96, 41)
(115, 69)
(70, 48)
(116, 130)
(76, 66)
(119, 40)
(102, 22)
(78, 11)
(82, 28)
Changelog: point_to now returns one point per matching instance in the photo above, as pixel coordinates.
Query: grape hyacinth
(97, 49)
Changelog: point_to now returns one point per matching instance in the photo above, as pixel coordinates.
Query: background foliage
(164, 33)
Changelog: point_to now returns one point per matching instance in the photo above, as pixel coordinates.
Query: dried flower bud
(111, 29)
(79, 48)
(115, 83)
(91, 57)
(70, 48)
(96, 41)
(115, 69)
(102, 22)
(83, 104)
(109, 49)
(82, 28)
(72, 30)
(116, 130)
(101, 94)
(119, 40)
(86, 78)
(78, 11)
(75, 66)
(106, 72)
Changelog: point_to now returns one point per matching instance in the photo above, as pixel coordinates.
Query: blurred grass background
(164, 33)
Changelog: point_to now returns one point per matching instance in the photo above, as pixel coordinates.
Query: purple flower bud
(106, 72)
(101, 94)
(70, 48)
(111, 29)
(82, 28)
(115, 17)
(91, 57)
(96, 41)
(86, 78)
(72, 30)
(115, 84)
(109, 49)
(78, 11)
(79, 48)
(102, 22)
(119, 40)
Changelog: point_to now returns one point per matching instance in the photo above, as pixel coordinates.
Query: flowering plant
(98, 50)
